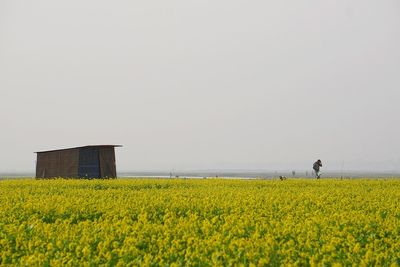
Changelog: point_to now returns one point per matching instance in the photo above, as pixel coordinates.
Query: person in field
(316, 166)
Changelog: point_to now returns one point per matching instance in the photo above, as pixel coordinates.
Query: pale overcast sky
(197, 84)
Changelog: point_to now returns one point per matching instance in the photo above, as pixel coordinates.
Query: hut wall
(63, 163)
(89, 162)
(107, 162)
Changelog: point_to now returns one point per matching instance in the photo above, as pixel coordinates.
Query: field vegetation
(208, 222)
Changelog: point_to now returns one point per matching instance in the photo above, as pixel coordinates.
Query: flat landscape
(200, 222)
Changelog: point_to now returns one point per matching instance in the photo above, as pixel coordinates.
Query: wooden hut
(94, 161)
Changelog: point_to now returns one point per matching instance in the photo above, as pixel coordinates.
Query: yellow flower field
(208, 222)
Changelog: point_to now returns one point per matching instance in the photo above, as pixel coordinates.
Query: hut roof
(78, 147)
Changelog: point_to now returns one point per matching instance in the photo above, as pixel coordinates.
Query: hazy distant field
(200, 222)
(258, 174)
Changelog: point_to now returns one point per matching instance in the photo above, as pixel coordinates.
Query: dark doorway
(89, 164)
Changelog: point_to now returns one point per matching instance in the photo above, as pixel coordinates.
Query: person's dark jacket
(317, 165)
